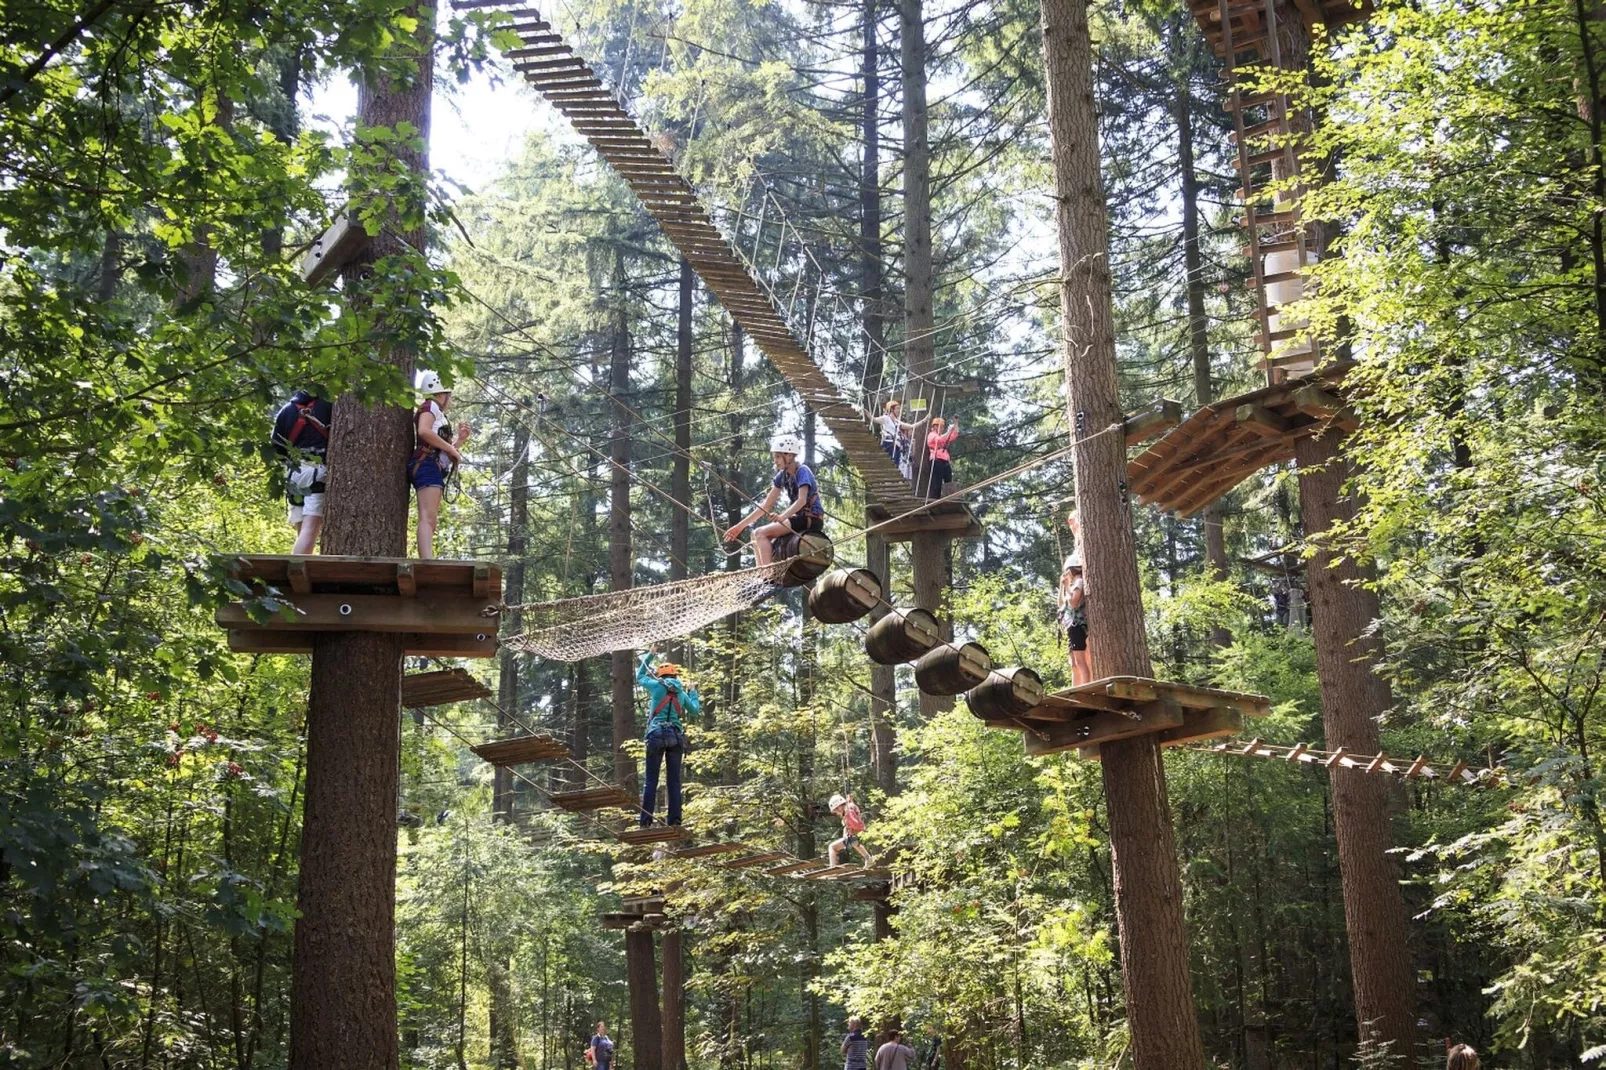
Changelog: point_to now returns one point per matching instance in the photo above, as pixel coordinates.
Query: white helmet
(836, 800)
(1074, 560)
(430, 383)
(786, 444)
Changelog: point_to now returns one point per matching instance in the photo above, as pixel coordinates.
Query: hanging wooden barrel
(844, 595)
(1006, 693)
(952, 670)
(902, 635)
(811, 554)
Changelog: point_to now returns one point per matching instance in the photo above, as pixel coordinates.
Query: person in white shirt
(894, 431)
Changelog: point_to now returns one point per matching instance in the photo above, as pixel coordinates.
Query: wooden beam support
(1262, 421)
(369, 613)
(1105, 727)
(1157, 419)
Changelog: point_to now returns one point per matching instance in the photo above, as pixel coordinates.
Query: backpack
(852, 819)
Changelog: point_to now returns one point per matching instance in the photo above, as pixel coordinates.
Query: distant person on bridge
(852, 825)
(301, 439)
(895, 433)
(669, 700)
(434, 458)
(937, 441)
(805, 513)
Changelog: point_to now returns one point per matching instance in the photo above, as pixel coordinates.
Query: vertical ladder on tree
(1245, 35)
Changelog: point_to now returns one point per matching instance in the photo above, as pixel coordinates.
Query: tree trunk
(1198, 326)
(730, 687)
(1353, 698)
(343, 976)
(680, 475)
(1148, 888)
(646, 1030)
(674, 1016)
(507, 690)
(871, 269)
(620, 561)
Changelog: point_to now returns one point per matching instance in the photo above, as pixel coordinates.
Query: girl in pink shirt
(942, 469)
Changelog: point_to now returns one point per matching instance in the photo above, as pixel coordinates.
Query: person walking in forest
(805, 513)
(894, 1054)
(937, 442)
(852, 825)
(1460, 1057)
(435, 456)
(599, 1050)
(1073, 618)
(301, 439)
(668, 701)
(855, 1046)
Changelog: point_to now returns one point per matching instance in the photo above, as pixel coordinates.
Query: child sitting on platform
(852, 825)
(805, 513)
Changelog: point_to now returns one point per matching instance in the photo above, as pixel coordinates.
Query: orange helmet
(669, 668)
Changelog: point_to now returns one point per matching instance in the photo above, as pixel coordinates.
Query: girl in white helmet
(805, 513)
(844, 807)
(434, 458)
(1073, 618)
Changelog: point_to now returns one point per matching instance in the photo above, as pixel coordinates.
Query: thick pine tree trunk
(507, 689)
(1198, 324)
(620, 561)
(680, 473)
(343, 976)
(1353, 698)
(641, 974)
(871, 268)
(1148, 887)
(674, 1001)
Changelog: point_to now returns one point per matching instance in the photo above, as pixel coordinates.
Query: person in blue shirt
(668, 702)
(301, 439)
(805, 513)
(599, 1052)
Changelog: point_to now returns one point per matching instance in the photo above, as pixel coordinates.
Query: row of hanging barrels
(906, 635)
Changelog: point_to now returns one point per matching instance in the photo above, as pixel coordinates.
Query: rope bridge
(574, 628)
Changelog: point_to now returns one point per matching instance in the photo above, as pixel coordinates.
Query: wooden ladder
(571, 86)
(1246, 38)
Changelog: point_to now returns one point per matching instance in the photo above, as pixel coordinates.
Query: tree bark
(871, 268)
(680, 474)
(507, 690)
(343, 976)
(1198, 326)
(730, 688)
(646, 1029)
(620, 561)
(1353, 698)
(674, 1002)
(1148, 888)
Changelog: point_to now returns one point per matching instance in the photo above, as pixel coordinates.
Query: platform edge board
(1197, 725)
(341, 570)
(1105, 727)
(423, 614)
(259, 641)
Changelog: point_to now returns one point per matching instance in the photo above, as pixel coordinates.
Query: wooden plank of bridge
(519, 750)
(604, 798)
(420, 690)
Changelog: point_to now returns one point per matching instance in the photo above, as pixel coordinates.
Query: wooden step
(652, 834)
(603, 798)
(519, 750)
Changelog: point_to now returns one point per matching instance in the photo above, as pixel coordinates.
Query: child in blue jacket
(668, 702)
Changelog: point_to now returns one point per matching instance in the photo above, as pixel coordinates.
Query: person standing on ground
(805, 513)
(436, 454)
(301, 439)
(599, 1051)
(668, 701)
(942, 469)
(1073, 618)
(894, 1054)
(855, 1046)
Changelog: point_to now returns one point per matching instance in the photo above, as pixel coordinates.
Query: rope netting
(575, 628)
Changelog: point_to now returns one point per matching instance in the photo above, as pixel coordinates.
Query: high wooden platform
(521, 750)
(1223, 443)
(573, 87)
(1121, 706)
(444, 608)
(420, 690)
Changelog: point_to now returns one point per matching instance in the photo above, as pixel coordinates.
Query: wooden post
(1148, 886)
(343, 974)
(674, 1016)
(646, 1029)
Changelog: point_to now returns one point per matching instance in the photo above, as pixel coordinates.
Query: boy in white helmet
(434, 458)
(805, 513)
(852, 825)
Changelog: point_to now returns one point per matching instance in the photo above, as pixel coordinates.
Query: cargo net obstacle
(576, 628)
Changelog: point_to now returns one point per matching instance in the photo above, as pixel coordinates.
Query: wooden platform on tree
(519, 750)
(421, 690)
(642, 904)
(1225, 442)
(652, 834)
(634, 921)
(1121, 706)
(443, 608)
(1208, 13)
(849, 873)
(604, 798)
(954, 519)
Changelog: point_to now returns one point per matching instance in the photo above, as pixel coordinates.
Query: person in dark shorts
(437, 453)
(1073, 618)
(805, 513)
